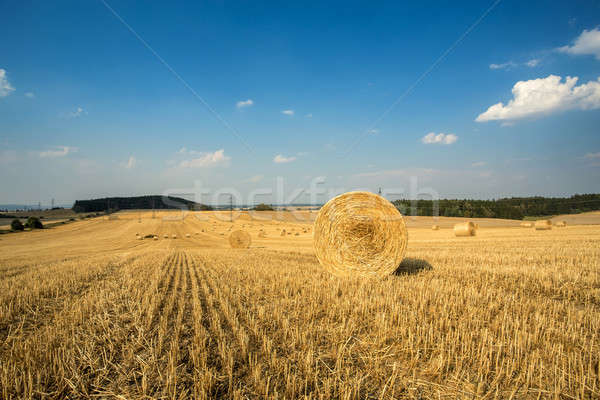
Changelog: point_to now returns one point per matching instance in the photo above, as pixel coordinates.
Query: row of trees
(511, 208)
(31, 223)
(111, 204)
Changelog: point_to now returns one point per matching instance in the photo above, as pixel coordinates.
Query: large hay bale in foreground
(543, 225)
(240, 239)
(360, 233)
(465, 229)
(526, 224)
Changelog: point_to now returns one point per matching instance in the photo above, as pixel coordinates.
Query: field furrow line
(221, 331)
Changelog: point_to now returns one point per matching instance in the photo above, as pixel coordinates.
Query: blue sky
(298, 91)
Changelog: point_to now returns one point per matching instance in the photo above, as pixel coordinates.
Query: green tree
(16, 225)
(34, 223)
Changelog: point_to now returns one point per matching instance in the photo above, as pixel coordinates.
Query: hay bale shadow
(411, 265)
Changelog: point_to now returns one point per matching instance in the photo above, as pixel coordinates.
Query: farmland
(86, 309)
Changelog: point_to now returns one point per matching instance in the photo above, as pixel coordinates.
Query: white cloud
(131, 162)
(592, 155)
(279, 159)
(534, 62)
(506, 65)
(5, 86)
(545, 96)
(255, 179)
(58, 151)
(30, 95)
(288, 112)
(77, 113)
(478, 164)
(207, 160)
(373, 131)
(440, 138)
(588, 43)
(244, 103)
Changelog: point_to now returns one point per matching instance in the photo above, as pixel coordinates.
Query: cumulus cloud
(77, 113)
(130, 163)
(545, 96)
(279, 159)
(588, 43)
(288, 112)
(58, 151)
(5, 86)
(30, 95)
(440, 138)
(207, 160)
(244, 103)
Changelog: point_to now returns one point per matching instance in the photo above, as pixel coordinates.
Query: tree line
(111, 204)
(510, 208)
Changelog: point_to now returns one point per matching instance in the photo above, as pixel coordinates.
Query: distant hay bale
(526, 224)
(283, 232)
(543, 225)
(240, 239)
(476, 225)
(166, 236)
(360, 233)
(435, 228)
(561, 224)
(297, 234)
(187, 235)
(155, 237)
(465, 229)
(174, 236)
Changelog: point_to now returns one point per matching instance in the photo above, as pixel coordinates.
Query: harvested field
(87, 310)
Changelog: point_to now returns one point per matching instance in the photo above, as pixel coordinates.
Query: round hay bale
(543, 225)
(526, 224)
(174, 236)
(465, 229)
(240, 240)
(187, 235)
(297, 234)
(166, 236)
(435, 228)
(283, 232)
(561, 223)
(360, 233)
(155, 237)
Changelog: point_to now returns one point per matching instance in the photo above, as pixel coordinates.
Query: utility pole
(379, 193)
(230, 208)
(52, 203)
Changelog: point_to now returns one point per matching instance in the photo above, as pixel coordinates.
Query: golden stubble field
(87, 310)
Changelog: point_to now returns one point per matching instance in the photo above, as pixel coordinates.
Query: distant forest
(111, 204)
(512, 208)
